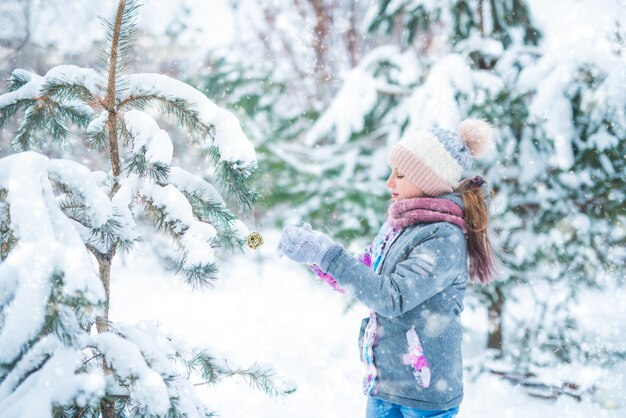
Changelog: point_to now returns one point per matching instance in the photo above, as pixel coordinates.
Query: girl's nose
(390, 183)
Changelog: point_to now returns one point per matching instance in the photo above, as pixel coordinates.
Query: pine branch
(73, 208)
(235, 179)
(17, 81)
(35, 357)
(77, 115)
(261, 379)
(179, 109)
(128, 32)
(204, 365)
(68, 92)
(119, 41)
(230, 240)
(46, 115)
(34, 122)
(208, 206)
(206, 210)
(110, 234)
(159, 219)
(8, 111)
(118, 45)
(76, 411)
(98, 140)
(7, 239)
(217, 215)
(66, 314)
(235, 182)
(138, 164)
(124, 133)
(199, 276)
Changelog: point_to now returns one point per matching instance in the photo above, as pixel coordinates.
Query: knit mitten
(303, 245)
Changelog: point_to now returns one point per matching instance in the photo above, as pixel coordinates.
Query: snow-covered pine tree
(559, 211)
(59, 220)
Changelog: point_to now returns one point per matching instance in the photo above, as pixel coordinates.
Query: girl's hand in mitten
(303, 245)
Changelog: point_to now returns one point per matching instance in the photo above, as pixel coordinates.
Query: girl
(413, 276)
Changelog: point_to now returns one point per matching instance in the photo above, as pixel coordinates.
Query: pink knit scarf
(408, 212)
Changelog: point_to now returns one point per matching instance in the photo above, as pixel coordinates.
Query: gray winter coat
(407, 295)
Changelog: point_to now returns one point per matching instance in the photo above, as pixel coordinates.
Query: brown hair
(476, 213)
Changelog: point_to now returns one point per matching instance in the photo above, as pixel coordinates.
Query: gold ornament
(255, 240)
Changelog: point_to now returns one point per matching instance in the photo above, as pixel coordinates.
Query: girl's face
(401, 187)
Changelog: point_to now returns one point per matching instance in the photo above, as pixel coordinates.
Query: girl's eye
(400, 176)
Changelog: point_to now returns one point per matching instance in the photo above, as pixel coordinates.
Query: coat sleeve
(432, 264)
(364, 256)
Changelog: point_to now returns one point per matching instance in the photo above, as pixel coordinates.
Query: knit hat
(434, 160)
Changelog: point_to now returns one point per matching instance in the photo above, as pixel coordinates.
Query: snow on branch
(360, 93)
(148, 137)
(122, 203)
(151, 147)
(169, 210)
(50, 102)
(552, 82)
(184, 180)
(72, 82)
(96, 131)
(194, 108)
(78, 180)
(205, 200)
(35, 396)
(47, 246)
(22, 97)
(435, 102)
(60, 81)
(162, 353)
(146, 386)
(20, 77)
(38, 354)
(27, 86)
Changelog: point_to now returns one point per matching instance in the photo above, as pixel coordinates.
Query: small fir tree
(56, 215)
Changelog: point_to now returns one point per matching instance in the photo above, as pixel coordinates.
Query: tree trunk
(109, 102)
(352, 37)
(104, 264)
(107, 405)
(323, 23)
(496, 307)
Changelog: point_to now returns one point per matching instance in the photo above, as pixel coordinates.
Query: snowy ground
(274, 312)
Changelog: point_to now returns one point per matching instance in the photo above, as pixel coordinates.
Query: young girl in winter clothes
(414, 274)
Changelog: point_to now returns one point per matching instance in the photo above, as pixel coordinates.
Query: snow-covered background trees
(323, 88)
(558, 212)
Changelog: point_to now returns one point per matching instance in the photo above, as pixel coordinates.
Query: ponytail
(476, 213)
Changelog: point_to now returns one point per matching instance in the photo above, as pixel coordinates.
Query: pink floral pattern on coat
(372, 256)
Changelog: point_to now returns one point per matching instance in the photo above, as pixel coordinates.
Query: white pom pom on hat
(477, 135)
